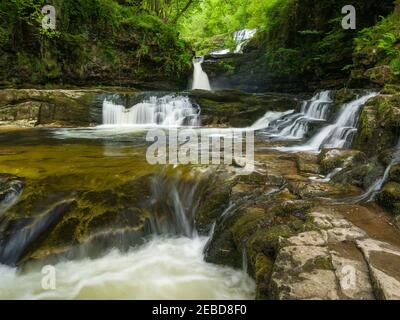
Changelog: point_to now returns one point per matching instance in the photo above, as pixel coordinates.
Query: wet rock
(380, 75)
(237, 109)
(389, 197)
(361, 175)
(307, 190)
(383, 260)
(215, 202)
(31, 107)
(394, 174)
(307, 163)
(379, 125)
(331, 159)
(10, 188)
(16, 243)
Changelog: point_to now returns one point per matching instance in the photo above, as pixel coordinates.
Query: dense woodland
(129, 42)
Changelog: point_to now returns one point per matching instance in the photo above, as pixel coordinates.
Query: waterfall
(174, 202)
(315, 109)
(290, 125)
(242, 36)
(200, 78)
(340, 133)
(373, 190)
(169, 110)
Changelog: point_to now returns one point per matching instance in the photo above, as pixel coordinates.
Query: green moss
(389, 197)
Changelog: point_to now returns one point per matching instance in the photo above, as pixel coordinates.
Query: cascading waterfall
(242, 36)
(289, 125)
(169, 266)
(317, 109)
(338, 134)
(200, 78)
(169, 110)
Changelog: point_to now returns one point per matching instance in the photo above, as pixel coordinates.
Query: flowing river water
(169, 264)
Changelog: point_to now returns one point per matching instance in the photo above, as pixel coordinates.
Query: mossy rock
(379, 125)
(238, 109)
(213, 205)
(330, 159)
(395, 173)
(389, 197)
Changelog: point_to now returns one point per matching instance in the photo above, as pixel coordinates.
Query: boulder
(379, 125)
(389, 197)
(238, 109)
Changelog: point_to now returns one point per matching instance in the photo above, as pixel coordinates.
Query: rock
(381, 75)
(299, 272)
(307, 162)
(331, 159)
(351, 233)
(394, 174)
(383, 260)
(307, 190)
(379, 125)
(238, 109)
(10, 188)
(215, 202)
(361, 175)
(351, 272)
(58, 107)
(389, 197)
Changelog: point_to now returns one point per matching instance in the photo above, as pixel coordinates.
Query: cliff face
(97, 42)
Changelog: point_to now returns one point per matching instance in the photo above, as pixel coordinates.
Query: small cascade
(200, 78)
(317, 109)
(168, 110)
(242, 37)
(173, 205)
(373, 190)
(340, 133)
(290, 125)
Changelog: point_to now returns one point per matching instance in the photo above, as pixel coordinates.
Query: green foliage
(125, 38)
(211, 24)
(384, 38)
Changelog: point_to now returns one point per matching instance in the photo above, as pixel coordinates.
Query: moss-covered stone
(330, 159)
(389, 197)
(379, 125)
(394, 174)
(237, 109)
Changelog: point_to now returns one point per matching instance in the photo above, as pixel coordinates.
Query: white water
(289, 125)
(200, 78)
(242, 36)
(162, 269)
(338, 134)
(169, 110)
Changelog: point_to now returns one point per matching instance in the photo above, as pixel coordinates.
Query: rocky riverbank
(291, 225)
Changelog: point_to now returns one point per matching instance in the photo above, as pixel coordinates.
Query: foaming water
(337, 135)
(294, 126)
(200, 78)
(169, 110)
(162, 269)
(242, 37)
